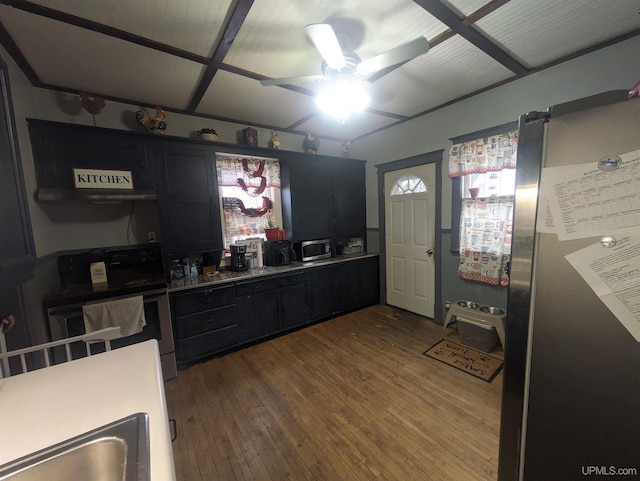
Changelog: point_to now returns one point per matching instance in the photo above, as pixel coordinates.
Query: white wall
(613, 68)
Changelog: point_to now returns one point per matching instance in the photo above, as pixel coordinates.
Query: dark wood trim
(484, 11)
(252, 75)
(451, 20)
(101, 28)
(230, 31)
(438, 39)
(447, 34)
(496, 130)
(10, 46)
(421, 159)
(302, 120)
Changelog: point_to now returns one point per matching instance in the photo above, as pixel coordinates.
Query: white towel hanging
(128, 314)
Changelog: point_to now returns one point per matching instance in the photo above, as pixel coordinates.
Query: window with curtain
(249, 189)
(485, 167)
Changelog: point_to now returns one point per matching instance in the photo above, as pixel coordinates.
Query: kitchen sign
(102, 179)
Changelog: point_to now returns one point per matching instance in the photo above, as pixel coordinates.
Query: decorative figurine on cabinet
(156, 124)
(310, 145)
(346, 149)
(250, 137)
(275, 140)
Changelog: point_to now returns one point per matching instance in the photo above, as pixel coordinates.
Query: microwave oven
(312, 250)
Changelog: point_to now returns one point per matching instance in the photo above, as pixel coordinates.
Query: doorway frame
(434, 157)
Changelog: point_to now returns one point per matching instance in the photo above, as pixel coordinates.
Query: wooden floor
(352, 398)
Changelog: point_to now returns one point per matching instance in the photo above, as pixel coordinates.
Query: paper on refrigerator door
(614, 275)
(587, 202)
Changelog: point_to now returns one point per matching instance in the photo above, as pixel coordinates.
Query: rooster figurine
(156, 124)
(310, 145)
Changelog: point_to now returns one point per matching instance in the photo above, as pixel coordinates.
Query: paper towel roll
(259, 256)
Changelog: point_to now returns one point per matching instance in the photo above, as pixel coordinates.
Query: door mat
(474, 362)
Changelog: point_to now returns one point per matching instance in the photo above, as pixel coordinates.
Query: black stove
(130, 270)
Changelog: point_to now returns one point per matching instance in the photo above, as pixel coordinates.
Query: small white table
(471, 311)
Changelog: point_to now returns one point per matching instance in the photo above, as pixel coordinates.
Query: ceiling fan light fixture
(342, 98)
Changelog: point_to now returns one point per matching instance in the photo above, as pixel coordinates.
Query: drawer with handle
(198, 300)
(201, 322)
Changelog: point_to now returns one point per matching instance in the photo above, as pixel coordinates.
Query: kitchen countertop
(44, 407)
(225, 275)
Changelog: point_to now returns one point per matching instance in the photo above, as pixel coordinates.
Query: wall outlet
(151, 236)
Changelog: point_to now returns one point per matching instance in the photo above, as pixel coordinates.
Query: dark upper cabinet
(349, 198)
(323, 197)
(17, 252)
(59, 148)
(308, 210)
(188, 199)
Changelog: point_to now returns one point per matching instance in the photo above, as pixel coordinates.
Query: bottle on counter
(194, 270)
(186, 269)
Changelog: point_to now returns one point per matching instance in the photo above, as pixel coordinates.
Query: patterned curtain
(485, 239)
(250, 191)
(489, 154)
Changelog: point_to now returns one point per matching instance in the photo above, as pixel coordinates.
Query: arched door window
(408, 185)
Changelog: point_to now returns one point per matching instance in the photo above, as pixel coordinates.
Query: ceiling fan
(341, 64)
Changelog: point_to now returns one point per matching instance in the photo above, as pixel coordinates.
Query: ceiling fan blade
(392, 57)
(290, 80)
(325, 40)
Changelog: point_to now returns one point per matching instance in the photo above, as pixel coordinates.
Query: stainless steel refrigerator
(571, 396)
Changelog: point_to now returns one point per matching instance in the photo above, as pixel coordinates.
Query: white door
(410, 238)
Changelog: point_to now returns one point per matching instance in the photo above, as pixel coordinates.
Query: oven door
(67, 321)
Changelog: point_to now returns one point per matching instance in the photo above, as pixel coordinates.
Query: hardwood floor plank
(352, 398)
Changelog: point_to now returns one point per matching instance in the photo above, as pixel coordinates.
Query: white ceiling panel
(235, 97)
(541, 31)
(269, 40)
(289, 53)
(465, 7)
(191, 25)
(447, 71)
(80, 59)
(356, 126)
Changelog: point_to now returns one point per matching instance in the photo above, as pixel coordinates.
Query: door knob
(429, 252)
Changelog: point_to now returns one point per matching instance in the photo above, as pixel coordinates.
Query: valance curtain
(250, 189)
(490, 154)
(485, 239)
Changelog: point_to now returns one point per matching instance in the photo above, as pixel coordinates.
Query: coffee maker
(239, 258)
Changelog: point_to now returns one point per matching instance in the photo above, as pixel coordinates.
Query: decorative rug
(474, 362)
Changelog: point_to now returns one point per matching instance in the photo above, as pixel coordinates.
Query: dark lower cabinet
(209, 321)
(368, 281)
(205, 321)
(334, 289)
(258, 308)
(293, 302)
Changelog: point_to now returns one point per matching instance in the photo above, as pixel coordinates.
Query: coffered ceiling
(207, 57)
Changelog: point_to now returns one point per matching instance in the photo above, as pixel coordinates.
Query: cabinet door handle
(172, 422)
(208, 295)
